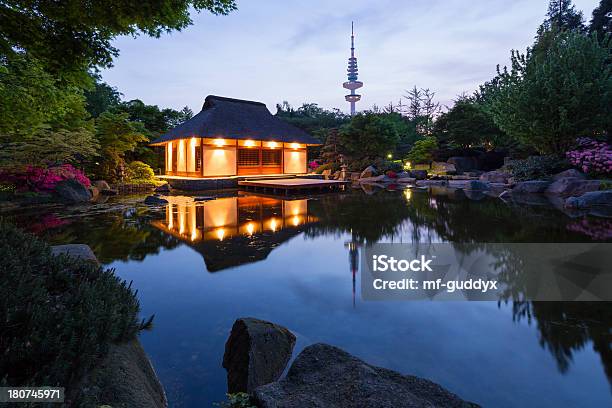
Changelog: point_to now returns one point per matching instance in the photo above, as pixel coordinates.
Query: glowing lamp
(220, 234)
(407, 166)
(249, 143)
(219, 142)
(250, 228)
(389, 156)
(272, 145)
(295, 145)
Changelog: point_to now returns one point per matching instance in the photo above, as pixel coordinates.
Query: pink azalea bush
(313, 164)
(591, 157)
(40, 179)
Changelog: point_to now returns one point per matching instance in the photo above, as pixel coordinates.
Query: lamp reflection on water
(228, 217)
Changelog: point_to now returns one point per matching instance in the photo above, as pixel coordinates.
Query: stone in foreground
(327, 377)
(256, 353)
(72, 192)
(80, 251)
(571, 173)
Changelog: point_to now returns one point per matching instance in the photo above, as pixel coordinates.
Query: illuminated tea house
(233, 137)
(231, 231)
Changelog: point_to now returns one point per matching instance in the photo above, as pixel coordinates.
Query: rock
(572, 186)
(464, 163)
(590, 200)
(475, 185)
(256, 353)
(368, 172)
(125, 378)
(423, 183)
(164, 188)
(374, 179)
(72, 192)
(443, 167)
(475, 195)
(530, 187)
(406, 180)
(403, 174)
(495, 177)
(101, 185)
(325, 376)
(94, 191)
(418, 174)
(155, 200)
(571, 173)
(81, 251)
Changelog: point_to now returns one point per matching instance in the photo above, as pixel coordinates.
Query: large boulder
(374, 179)
(101, 185)
(368, 172)
(590, 200)
(418, 174)
(530, 187)
(256, 353)
(72, 192)
(443, 167)
(572, 187)
(464, 163)
(323, 376)
(164, 188)
(495, 177)
(571, 173)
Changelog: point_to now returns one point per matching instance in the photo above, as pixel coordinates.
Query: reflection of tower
(353, 247)
(352, 82)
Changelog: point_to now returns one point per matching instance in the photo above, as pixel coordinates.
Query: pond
(200, 265)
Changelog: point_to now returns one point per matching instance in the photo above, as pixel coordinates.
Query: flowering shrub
(313, 164)
(591, 157)
(391, 174)
(44, 179)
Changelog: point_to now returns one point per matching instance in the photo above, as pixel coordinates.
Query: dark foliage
(537, 167)
(58, 314)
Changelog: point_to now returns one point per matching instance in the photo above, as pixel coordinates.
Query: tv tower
(352, 82)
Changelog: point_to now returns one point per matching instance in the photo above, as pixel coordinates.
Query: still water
(200, 265)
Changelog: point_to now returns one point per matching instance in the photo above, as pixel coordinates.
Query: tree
(311, 118)
(422, 151)
(421, 109)
(466, 125)
(101, 98)
(370, 135)
(116, 135)
(547, 100)
(562, 15)
(601, 20)
(74, 35)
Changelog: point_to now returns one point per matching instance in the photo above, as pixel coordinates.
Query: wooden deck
(292, 185)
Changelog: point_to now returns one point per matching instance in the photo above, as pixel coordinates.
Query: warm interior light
(273, 225)
(272, 145)
(250, 228)
(249, 143)
(296, 220)
(220, 234)
(407, 166)
(295, 145)
(219, 142)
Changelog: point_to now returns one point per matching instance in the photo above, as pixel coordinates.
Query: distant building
(352, 84)
(233, 137)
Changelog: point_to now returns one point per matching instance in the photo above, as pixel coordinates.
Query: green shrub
(237, 400)
(327, 166)
(139, 172)
(58, 314)
(537, 167)
(422, 151)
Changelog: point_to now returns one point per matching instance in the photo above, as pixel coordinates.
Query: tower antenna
(352, 84)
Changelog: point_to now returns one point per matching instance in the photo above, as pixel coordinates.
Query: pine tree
(562, 15)
(601, 21)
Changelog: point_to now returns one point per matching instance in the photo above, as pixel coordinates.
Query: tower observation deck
(352, 84)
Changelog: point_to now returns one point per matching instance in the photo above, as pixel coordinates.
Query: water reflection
(231, 231)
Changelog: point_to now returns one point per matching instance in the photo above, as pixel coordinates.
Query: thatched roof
(229, 118)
